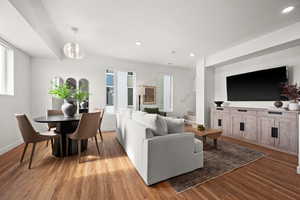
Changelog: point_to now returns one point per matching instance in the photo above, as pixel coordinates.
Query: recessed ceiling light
(192, 54)
(287, 9)
(138, 43)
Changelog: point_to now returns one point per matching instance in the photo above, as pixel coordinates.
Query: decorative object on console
(278, 104)
(219, 103)
(149, 95)
(292, 92)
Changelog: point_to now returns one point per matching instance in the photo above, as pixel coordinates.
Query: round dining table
(64, 126)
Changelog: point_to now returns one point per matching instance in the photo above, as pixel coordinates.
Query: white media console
(276, 129)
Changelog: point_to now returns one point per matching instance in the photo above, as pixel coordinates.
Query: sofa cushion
(198, 146)
(138, 115)
(155, 123)
(162, 125)
(175, 125)
(122, 119)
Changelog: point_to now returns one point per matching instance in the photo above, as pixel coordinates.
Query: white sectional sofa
(155, 147)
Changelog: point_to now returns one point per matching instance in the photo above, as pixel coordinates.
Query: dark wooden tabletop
(56, 118)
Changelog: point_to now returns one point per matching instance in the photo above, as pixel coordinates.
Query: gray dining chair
(52, 126)
(31, 136)
(100, 121)
(87, 128)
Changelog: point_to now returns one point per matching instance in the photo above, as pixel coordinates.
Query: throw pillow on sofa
(162, 124)
(175, 125)
(156, 123)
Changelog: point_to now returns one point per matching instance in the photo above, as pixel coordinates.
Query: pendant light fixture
(72, 49)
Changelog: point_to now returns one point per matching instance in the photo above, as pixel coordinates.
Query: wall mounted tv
(261, 85)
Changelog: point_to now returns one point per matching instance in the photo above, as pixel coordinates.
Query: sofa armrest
(169, 155)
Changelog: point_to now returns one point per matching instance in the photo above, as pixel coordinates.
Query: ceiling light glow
(192, 54)
(138, 43)
(287, 9)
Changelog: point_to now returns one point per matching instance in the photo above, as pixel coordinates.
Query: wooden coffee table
(211, 133)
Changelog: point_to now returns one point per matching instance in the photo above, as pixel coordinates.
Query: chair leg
(49, 129)
(101, 134)
(24, 151)
(61, 146)
(97, 144)
(52, 145)
(31, 156)
(79, 149)
(51, 140)
(67, 146)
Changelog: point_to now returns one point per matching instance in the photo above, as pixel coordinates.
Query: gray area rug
(226, 158)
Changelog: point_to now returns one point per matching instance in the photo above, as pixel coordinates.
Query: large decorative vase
(278, 104)
(294, 106)
(219, 103)
(69, 108)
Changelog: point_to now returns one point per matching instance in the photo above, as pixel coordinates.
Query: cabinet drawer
(278, 114)
(243, 111)
(220, 109)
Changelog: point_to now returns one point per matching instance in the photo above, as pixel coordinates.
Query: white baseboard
(10, 146)
(298, 169)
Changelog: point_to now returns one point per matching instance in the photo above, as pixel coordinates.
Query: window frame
(133, 75)
(109, 71)
(8, 76)
(110, 86)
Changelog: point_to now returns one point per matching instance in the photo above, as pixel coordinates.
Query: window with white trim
(168, 93)
(120, 90)
(110, 87)
(6, 70)
(131, 89)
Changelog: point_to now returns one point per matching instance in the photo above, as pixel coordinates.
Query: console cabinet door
(266, 125)
(287, 137)
(220, 120)
(236, 125)
(250, 132)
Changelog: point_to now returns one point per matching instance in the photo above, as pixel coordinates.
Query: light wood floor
(112, 176)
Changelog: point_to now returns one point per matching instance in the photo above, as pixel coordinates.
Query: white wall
(43, 70)
(19, 103)
(289, 57)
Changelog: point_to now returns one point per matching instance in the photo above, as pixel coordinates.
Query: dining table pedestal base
(65, 128)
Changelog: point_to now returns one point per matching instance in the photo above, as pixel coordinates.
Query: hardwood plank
(112, 176)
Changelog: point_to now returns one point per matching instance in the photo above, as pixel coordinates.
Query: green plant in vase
(61, 91)
(64, 92)
(81, 97)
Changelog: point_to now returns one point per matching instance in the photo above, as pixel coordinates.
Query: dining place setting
(68, 131)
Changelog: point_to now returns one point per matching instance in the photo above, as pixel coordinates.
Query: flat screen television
(261, 85)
